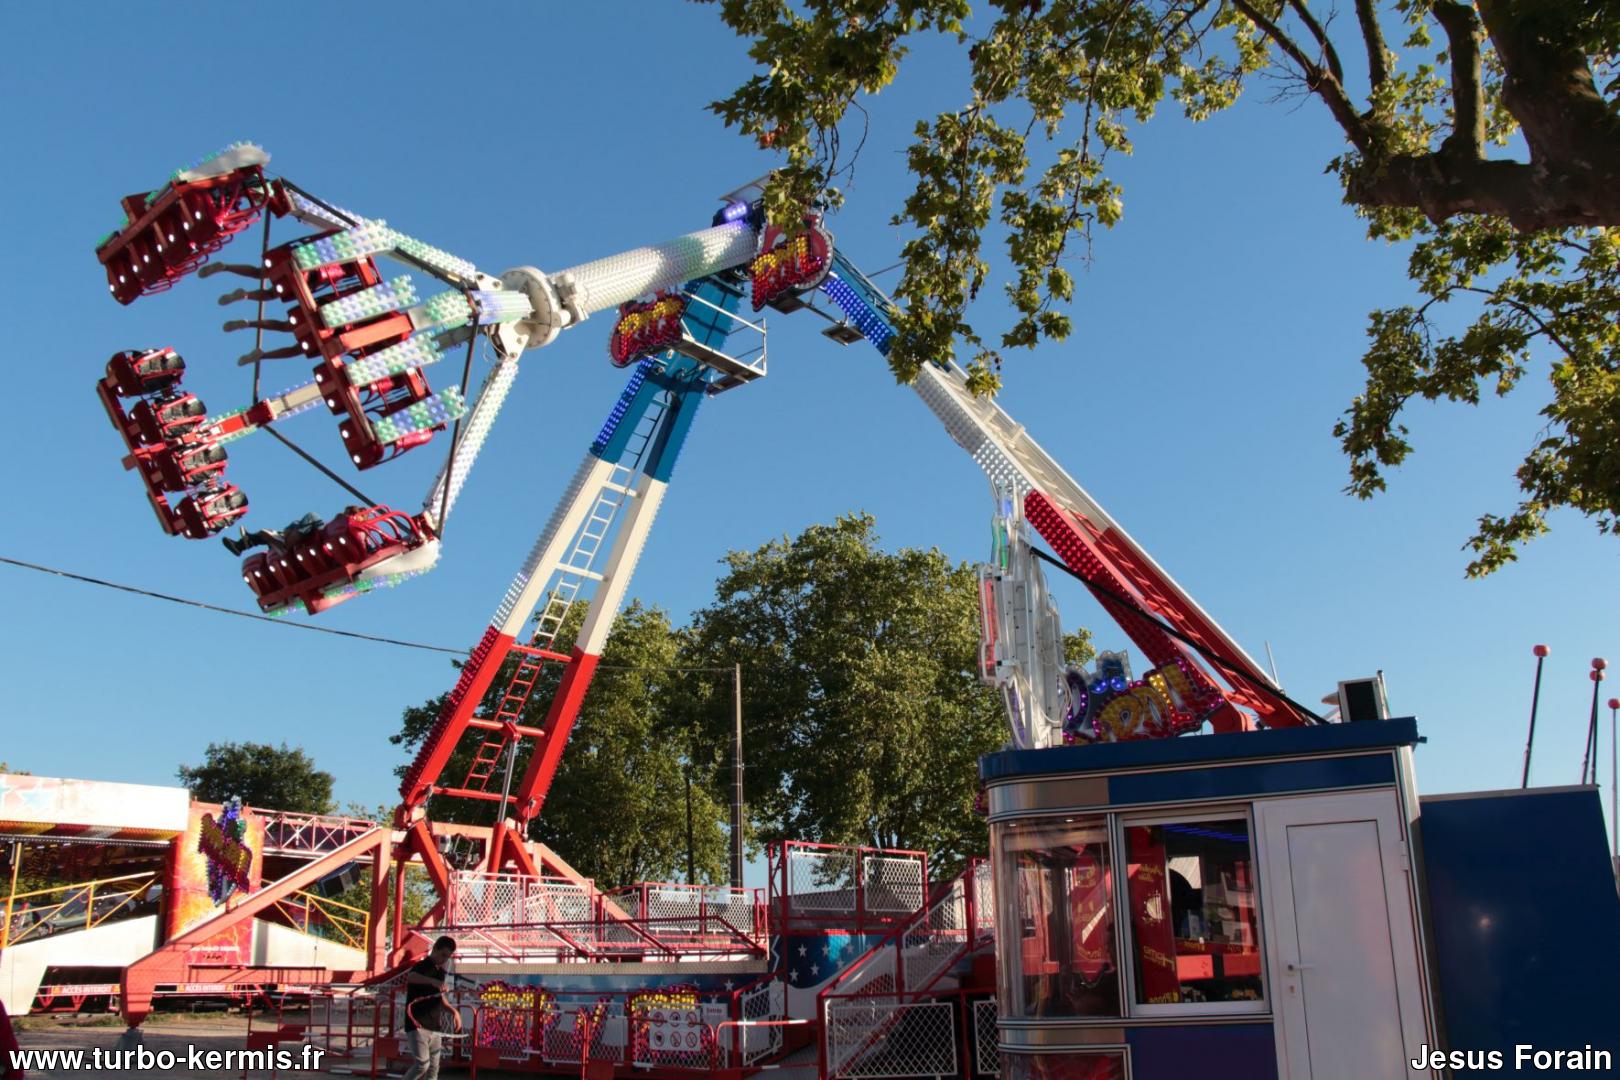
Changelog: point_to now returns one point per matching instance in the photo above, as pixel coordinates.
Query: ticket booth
(1229, 907)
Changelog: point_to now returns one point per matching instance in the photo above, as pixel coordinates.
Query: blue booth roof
(1198, 749)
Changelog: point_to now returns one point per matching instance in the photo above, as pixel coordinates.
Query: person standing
(425, 1009)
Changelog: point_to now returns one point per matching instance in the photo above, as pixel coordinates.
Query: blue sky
(1217, 335)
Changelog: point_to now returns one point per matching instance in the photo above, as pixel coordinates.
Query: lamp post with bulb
(1590, 754)
(1540, 652)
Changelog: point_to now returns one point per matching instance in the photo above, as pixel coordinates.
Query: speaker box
(1363, 699)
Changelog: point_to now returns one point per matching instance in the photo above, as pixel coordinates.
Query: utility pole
(691, 871)
(737, 779)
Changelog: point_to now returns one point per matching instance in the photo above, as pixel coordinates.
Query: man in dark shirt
(425, 1011)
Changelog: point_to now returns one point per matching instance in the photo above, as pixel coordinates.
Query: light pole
(1614, 783)
(1590, 753)
(736, 778)
(1541, 652)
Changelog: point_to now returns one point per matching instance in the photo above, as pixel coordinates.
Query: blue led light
(621, 406)
(872, 326)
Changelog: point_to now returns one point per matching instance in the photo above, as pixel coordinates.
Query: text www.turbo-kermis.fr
(139, 1059)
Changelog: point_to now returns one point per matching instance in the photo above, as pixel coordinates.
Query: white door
(1341, 938)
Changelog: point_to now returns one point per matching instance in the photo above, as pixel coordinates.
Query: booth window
(1195, 934)
(1055, 884)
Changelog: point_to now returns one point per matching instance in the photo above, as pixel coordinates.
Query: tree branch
(1467, 138)
(1329, 53)
(1548, 84)
(1378, 55)
(1321, 83)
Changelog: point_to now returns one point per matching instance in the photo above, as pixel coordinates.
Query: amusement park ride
(371, 338)
(679, 311)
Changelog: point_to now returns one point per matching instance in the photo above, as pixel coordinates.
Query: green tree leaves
(1554, 292)
(265, 777)
(1492, 138)
(864, 718)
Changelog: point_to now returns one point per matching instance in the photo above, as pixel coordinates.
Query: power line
(69, 575)
(227, 611)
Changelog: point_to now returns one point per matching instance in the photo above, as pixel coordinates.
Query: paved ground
(188, 1038)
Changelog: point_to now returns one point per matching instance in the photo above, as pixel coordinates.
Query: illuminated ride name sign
(1106, 706)
(790, 266)
(230, 860)
(646, 328)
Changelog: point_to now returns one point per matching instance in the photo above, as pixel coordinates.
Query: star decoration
(815, 969)
(801, 950)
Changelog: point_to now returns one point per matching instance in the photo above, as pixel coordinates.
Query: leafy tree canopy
(265, 776)
(865, 718)
(1484, 131)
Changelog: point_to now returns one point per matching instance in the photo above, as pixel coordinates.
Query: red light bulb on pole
(1590, 753)
(1540, 652)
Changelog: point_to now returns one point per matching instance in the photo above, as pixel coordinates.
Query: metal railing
(333, 920)
(919, 950)
(643, 1030)
(831, 885)
(39, 913)
(601, 939)
(908, 1035)
(510, 916)
(671, 903)
(289, 833)
(986, 1038)
(903, 969)
(636, 1029)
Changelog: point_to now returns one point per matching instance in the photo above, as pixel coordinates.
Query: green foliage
(1056, 86)
(864, 718)
(617, 807)
(1077, 72)
(264, 777)
(1553, 286)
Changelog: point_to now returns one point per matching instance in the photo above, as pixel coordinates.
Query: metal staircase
(885, 1012)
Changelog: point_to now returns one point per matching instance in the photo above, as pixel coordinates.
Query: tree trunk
(1573, 175)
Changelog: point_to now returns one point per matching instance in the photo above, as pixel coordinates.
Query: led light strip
(502, 306)
(382, 581)
(367, 238)
(441, 408)
(417, 351)
(436, 258)
(872, 326)
(447, 310)
(369, 303)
